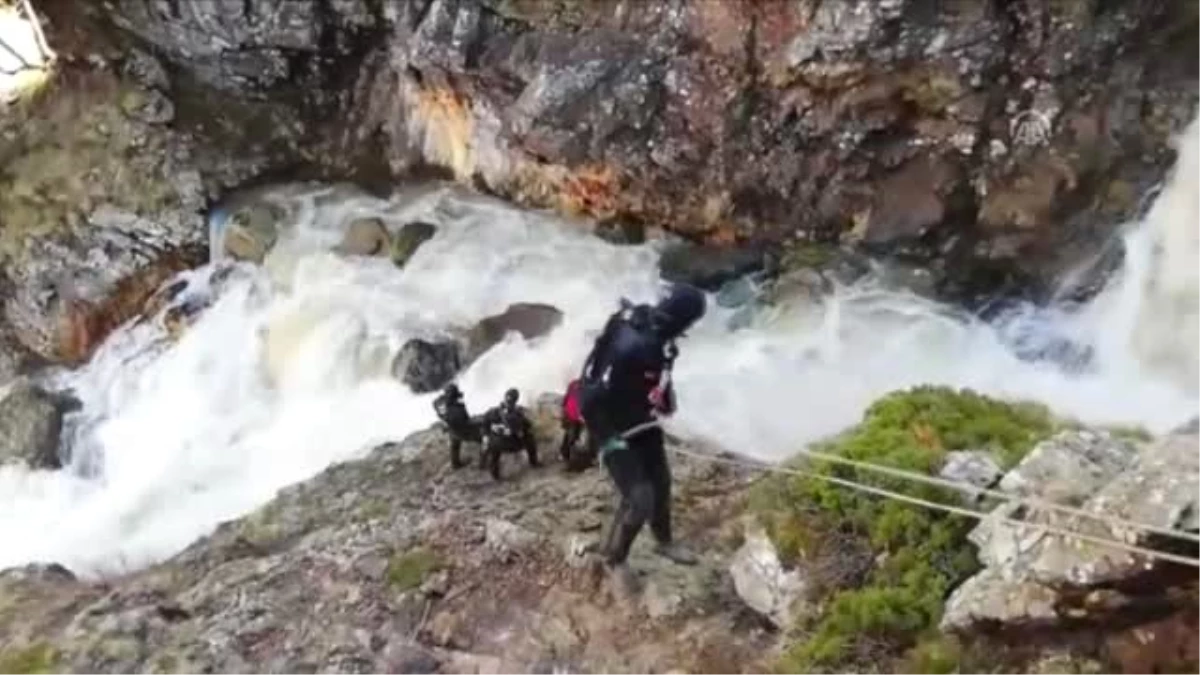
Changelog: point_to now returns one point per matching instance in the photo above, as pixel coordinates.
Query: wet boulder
(251, 231)
(530, 320)
(410, 238)
(426, 366)
(707, 267)
(365, 237)
(31, 421)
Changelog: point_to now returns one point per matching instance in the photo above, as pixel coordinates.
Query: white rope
(967, 487)
(1050, 529)
(35, 23)
(1029, 501)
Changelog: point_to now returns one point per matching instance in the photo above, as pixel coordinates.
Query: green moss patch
(894, 562)
(407, 570)
(36, 658)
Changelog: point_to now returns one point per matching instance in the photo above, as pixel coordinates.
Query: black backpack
(637, 316)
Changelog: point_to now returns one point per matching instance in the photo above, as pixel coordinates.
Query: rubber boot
(456, 460)
(622, 582)
(494, 462)
(676, 553)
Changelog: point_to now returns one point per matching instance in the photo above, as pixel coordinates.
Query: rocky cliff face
(1001, 141)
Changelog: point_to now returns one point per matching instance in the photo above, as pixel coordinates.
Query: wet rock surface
(397, 563)
(31, 422)
(529, 320)
(427, 366)
(408, 239)
(99, 204)
(1012, 136)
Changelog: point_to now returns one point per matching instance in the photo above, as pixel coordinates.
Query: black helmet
(451, 391)
(511, 396)
(682, 306)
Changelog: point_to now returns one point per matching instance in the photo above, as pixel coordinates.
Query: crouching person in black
(507, 429)
(459, 425)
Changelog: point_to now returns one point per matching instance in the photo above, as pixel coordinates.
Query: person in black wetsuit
(459, 426)
(625, 383)
(507, 429)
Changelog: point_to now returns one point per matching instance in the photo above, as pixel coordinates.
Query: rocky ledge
(396, 563)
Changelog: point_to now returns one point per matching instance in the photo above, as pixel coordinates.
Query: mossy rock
(252, 231)
(410, 238)
(35, 658)
(406, 571)
(896, 561)
(807, 255)
(69, 148)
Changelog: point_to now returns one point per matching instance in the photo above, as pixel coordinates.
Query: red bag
(570, 408)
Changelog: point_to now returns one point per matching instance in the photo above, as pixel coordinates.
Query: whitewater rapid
(287, 371)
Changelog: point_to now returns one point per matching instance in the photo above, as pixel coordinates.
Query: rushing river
(287, 372)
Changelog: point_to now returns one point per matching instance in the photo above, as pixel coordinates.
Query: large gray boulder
(1030, 576)
(427, 366)
(529, 320)
(31, 421)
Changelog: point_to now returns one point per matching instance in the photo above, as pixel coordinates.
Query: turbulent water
(287, 371)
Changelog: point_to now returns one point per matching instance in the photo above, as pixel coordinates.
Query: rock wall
(1000, 140)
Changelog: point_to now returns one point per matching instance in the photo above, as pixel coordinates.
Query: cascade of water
(282, 375)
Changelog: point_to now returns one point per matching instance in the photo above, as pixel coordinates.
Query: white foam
(176, 438)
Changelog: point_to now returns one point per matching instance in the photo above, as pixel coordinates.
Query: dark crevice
(419, 9)
(415, 74)
(327, 41)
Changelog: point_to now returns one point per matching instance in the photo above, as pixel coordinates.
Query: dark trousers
(459, 435)
(495, 446)
(571, 433)
(576, 455)
(643, 479)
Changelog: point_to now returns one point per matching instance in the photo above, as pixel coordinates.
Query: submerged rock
(252, 230)
(31, 422)
(365, 237)
(410, 237)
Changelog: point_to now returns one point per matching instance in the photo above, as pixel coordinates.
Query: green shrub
(35, 658)
(913, 556)
(407, 570)
(935, 655)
